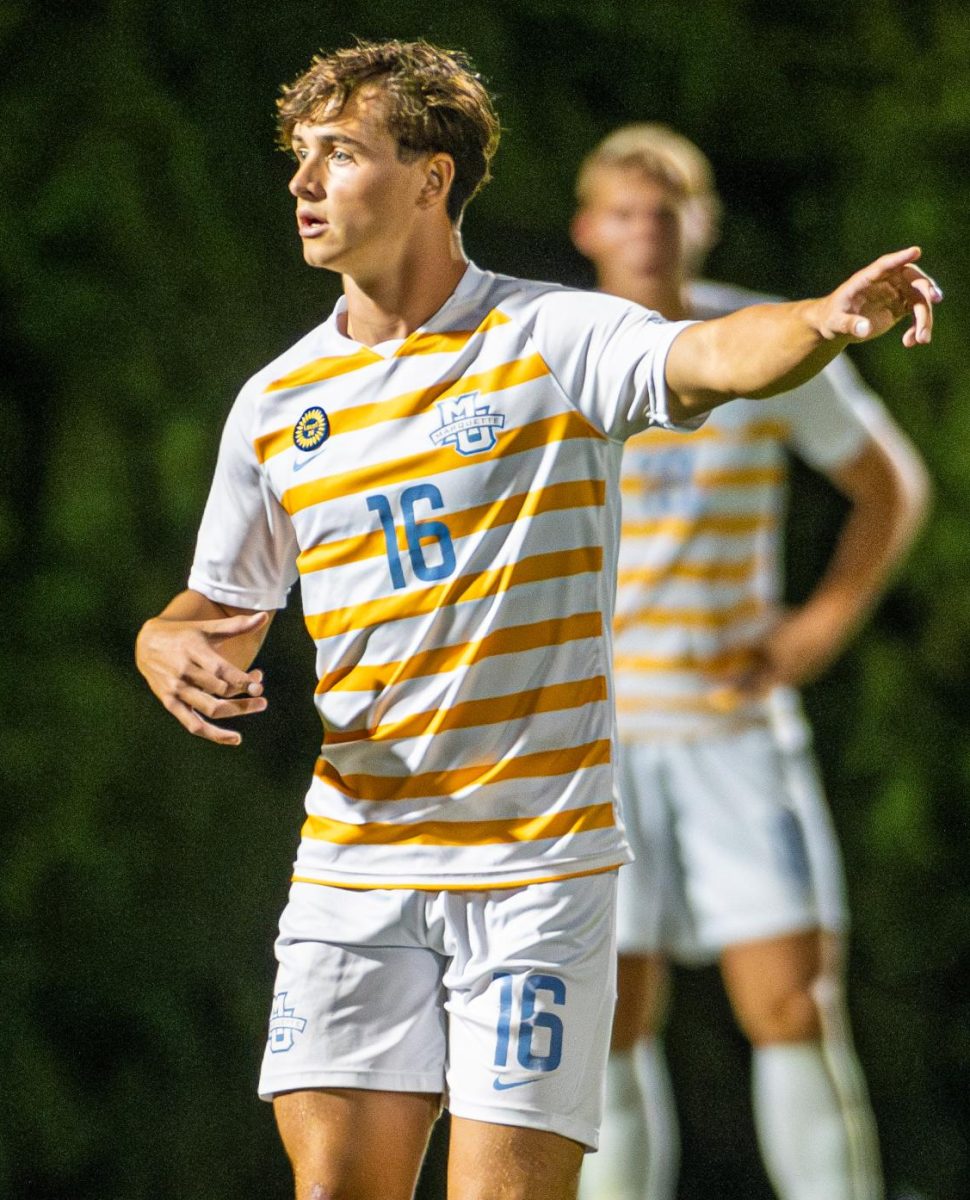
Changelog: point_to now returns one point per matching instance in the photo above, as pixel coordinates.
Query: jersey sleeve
(609, 357)
(831, 417)
(246, 550)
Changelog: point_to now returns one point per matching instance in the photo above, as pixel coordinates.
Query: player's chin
(317, 255)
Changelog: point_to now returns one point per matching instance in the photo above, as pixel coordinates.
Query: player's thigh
(357, 1000)
(772, 985)
(530, 995)
(505, 1162)
(642, 992)
(356, 1144)
(742, 840)
(807, 800)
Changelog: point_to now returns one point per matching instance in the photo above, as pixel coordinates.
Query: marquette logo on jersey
(312, 429)
(284, 1025)
(468, 424)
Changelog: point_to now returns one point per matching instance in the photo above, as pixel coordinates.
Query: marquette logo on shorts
(284, 1025)
(467, 424)
(312, 429)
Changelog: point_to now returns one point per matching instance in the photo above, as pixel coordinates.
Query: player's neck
(666, 295)
(404, 293)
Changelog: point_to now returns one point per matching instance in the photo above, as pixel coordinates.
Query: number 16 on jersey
(420, 535)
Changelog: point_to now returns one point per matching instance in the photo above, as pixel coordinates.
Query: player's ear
(581, 232)
(439, 174)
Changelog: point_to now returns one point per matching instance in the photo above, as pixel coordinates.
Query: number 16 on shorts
(528, 1035)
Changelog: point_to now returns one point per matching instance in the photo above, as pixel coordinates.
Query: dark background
(148, 264)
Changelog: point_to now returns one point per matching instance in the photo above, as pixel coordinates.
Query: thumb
(855, 326)
(844, 323)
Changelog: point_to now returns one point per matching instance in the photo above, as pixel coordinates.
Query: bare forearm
(194, 656)
(194, 606)
(856, 576)
(771, 348)
(889, 490)
(755, 352)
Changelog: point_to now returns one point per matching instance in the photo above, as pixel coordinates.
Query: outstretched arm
(771, 348)
(195, 657)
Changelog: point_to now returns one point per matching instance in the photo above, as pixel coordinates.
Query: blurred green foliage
(147, 266)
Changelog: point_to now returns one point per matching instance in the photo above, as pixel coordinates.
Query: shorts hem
(578, 1131)
(700, 948)
(374, 1081)
(756, 931)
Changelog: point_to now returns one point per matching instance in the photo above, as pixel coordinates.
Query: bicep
(690, 371)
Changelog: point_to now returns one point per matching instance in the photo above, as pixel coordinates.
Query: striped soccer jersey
(700, 562)
(450, 506)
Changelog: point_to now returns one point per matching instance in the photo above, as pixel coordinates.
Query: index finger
(891, 262)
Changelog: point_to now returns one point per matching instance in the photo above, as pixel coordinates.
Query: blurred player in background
(437, 463)
(735, 853)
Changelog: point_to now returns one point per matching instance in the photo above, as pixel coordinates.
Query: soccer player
(437, 463)
(735, 855)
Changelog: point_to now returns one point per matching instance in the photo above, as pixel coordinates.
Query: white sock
(850, 1085)
(638, 1153)
(805, 1128)
(660, 1117)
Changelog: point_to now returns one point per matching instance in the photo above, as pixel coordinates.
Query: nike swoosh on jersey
(501, 1086)
(298, 466)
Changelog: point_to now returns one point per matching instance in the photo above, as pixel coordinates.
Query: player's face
(356, 201)
(632, 224)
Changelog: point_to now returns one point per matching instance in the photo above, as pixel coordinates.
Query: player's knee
(792, 1016)
(630, 1025)
(627, 1024)
(639, 1001)
(323, 1171)
(312, 1187)
(317, 1183)
(316, 1176)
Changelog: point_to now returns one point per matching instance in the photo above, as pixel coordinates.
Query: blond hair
(435, 102)
(660, 152)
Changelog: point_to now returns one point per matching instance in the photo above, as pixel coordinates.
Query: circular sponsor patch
(312, 429)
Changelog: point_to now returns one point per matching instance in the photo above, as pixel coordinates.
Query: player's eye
(340, 156)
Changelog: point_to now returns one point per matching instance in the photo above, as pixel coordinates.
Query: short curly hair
(436, 102)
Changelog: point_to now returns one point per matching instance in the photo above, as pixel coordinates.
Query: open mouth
(310, 225)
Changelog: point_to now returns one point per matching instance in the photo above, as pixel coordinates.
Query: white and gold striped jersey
(449, 503)
(700, 568)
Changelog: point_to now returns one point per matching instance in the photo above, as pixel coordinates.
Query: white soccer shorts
(499, 1000)
(733, 843)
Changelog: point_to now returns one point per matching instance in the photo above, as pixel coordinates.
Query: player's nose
(306, 184)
